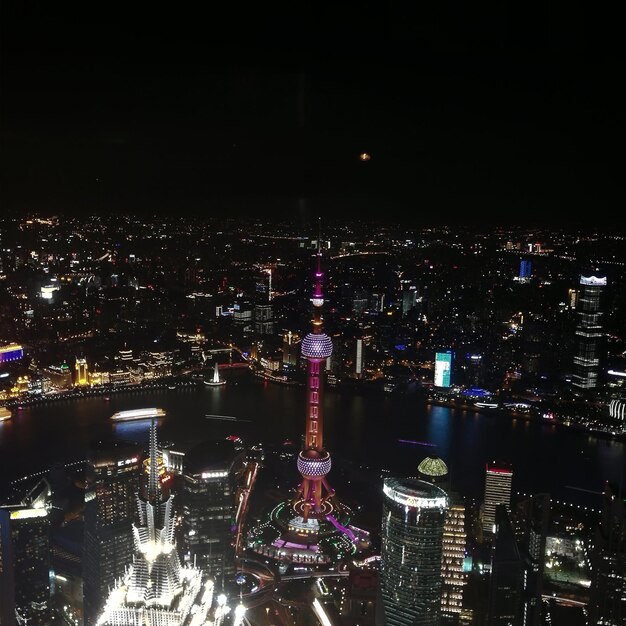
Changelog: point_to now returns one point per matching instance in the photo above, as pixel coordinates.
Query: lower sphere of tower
(314, 465)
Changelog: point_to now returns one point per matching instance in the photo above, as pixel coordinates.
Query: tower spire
(153, 480)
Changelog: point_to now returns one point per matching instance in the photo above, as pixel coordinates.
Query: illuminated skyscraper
(25, 563)
(525, 269)
(454, 579)
(498, 479)
(264, 318)
(291, 350)
(82, 374)
(589, 333)
(112, 480)
(443, 369)
(414, 514)
(157, 590)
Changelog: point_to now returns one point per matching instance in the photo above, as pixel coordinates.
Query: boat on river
(137, 414)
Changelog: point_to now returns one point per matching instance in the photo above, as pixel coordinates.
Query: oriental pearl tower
(314, 493)
(313, 527)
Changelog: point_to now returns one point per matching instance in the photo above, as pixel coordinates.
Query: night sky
(505, 113)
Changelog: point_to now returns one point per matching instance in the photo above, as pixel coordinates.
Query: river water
(366, 429)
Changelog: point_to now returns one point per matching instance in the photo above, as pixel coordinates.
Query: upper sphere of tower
(317, 346)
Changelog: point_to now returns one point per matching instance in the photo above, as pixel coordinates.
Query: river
(545, 457)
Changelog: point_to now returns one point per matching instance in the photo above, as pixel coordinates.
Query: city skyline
(311, 316)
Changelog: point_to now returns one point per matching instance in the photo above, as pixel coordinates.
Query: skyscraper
(443, 369)
(507, 574)
(25, 563)
(589, 333)
(157, 590)
(531, 518)
(608, 587)
(454, 579)
(264, 318)
(525, 269)
(82, 373)
(112, 480)
(498, 479)
(412, 532)
(209, 484)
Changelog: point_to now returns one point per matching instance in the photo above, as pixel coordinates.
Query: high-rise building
(498, 479)
(443, 369)
(11, 352)
(507, 574)
(525, 269)
(409, 300)
(82, 373)
(291, 349)
(358, 361)
(414, 514)
(209, 483)
(607, 605)
(454, 578)
(25, 562)
(264, 318)
(112, 479)
(589, 335)
(531, 517)
(157, 590)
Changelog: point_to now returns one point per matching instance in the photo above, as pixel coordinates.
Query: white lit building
(157, 589)
(498, 479)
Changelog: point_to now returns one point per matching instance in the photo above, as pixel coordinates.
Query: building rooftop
(414, 493)
(433, 466)
(210, 455)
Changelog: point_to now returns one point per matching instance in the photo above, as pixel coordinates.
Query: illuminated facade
(11, 352)
(589, 334)
(443, 369)
(82, 373)
(498, 479)
(112, 479)
(414, 513)
(454, 579)
(157, 590)
(25, 564)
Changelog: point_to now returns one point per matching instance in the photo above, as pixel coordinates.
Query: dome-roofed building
(433, 467)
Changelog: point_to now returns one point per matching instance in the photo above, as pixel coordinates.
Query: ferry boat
(137, 414)
(216, 381)
(5, 414)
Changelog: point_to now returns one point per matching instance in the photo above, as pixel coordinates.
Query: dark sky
(504, 112)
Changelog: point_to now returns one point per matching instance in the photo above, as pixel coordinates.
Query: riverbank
(500, 412)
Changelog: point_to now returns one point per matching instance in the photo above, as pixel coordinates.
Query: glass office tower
(414, 513)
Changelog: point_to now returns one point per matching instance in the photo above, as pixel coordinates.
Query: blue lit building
(525, 269)
(11, 352)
